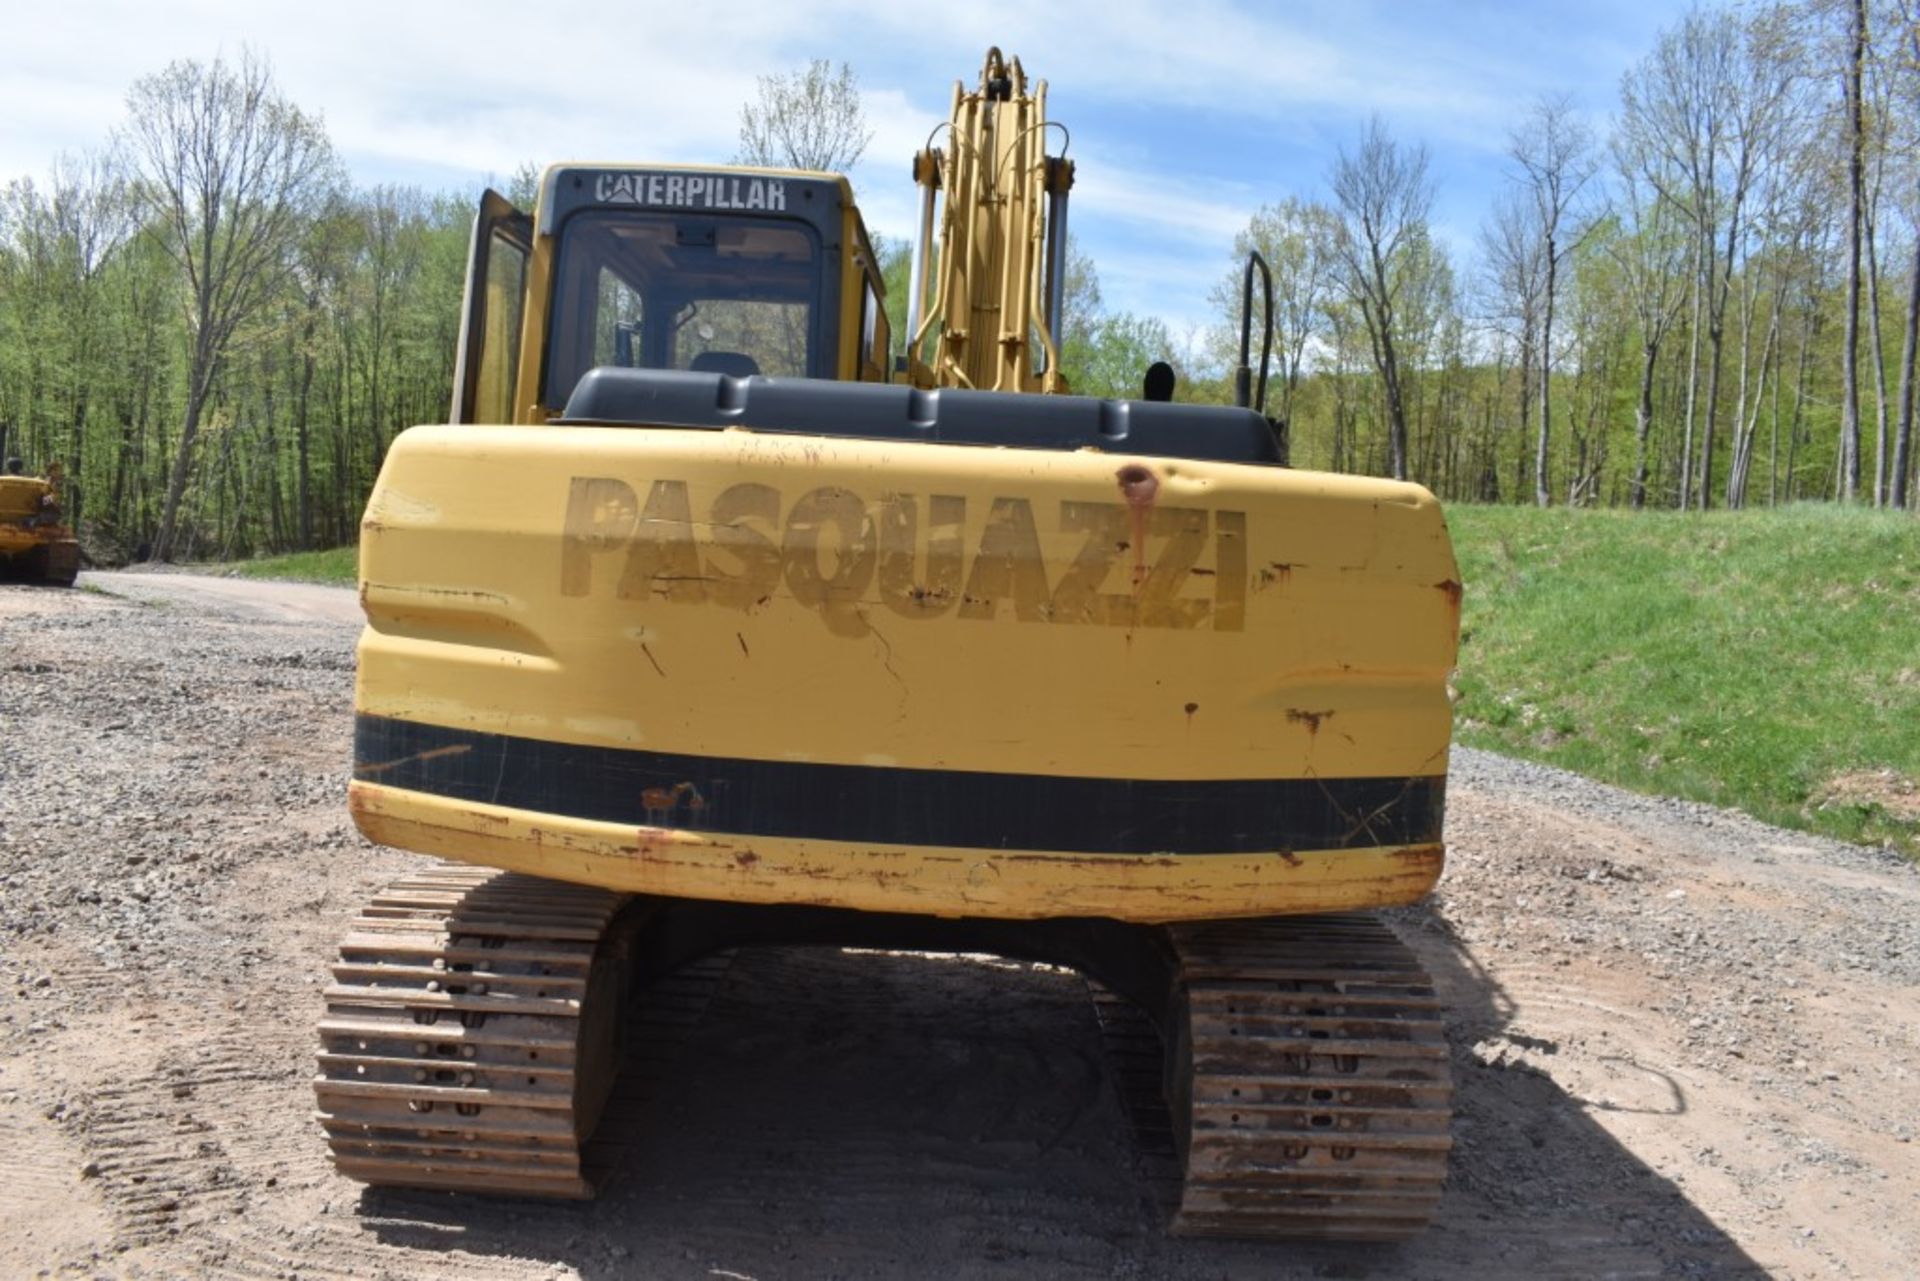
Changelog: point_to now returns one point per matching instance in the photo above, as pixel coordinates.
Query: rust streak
(743, 644)
(1139, 486)
(1311, 720)
(455, 749)
(1277, 571)
(652, 659)
(1452, 590)
(664, 802)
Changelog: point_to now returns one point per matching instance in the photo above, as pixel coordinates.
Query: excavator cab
(736, 272)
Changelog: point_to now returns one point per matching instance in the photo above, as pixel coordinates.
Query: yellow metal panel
(20, 497)
(1015, 884)
(905, 604)
(984, 306)
(533, 332)
(854, 253)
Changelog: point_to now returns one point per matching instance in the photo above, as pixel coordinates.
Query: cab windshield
(727, 295)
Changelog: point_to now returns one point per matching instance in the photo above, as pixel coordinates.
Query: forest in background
(1710, 301)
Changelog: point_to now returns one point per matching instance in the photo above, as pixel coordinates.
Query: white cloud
(1204, 211)
(1162, 99)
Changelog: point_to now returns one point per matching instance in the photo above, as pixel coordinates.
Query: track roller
(470, 1036)
(1308, 1081)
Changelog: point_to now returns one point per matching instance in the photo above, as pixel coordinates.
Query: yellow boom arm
(990, 301)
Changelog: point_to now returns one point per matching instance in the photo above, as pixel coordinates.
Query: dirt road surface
(1685, 1044)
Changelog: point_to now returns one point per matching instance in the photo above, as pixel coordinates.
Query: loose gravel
(1682, 1039)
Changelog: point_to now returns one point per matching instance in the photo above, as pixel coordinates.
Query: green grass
(1768, 661)
(338, 565)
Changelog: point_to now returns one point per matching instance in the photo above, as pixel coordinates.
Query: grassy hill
(335, 565)
(1766, 660)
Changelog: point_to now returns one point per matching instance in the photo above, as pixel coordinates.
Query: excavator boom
(988, 301)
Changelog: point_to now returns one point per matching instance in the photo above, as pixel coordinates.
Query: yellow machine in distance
(36, 544)
(704, 631)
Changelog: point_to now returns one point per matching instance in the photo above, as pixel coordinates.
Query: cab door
(486, 365)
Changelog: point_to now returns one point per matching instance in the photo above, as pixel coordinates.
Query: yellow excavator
(713, 620)
(36, 543)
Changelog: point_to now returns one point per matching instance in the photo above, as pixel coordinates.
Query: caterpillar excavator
(711, 619)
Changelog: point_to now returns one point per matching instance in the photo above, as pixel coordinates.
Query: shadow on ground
(850, 1115)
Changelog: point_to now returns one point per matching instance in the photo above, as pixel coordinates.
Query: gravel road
(1686, 1044)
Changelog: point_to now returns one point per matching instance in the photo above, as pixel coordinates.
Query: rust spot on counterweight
(1420, 863)
(661, 803)
(1310, 719)
(1139, 486)
(1275, 571)
(456, 749)
(1420, 855)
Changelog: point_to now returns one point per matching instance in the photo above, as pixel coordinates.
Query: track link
(470, 1036)
(1308, 1081)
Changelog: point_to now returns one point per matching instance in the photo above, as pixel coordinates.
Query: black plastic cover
(875, 411)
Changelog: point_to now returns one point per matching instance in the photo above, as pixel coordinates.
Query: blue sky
(1184, 117)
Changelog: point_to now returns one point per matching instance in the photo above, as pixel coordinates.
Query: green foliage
(1296, 239)
(896, 278)
(1699, 304)
(523, 188)
(337, 565)
(354, 345)
(1765, 661)
(1105, 353)
(1111, 356)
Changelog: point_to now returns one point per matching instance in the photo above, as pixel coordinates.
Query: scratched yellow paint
(483, 615)
(1011, 884)
(768, 597)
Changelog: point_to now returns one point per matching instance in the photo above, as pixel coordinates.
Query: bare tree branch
(228, 172)
(810, 119)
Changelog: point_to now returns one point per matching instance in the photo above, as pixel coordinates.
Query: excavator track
(1308, 1081)
(470, 1036)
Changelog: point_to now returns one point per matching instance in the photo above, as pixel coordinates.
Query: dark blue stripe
(875, 805)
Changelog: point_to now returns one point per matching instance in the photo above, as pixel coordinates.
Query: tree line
(215, 330)
(1713, 300)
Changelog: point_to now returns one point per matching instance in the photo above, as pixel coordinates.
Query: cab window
(505, 285)
(874, 339)
(669, 291)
